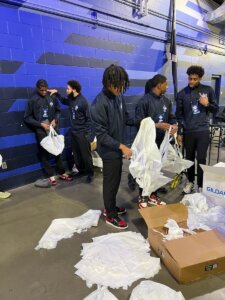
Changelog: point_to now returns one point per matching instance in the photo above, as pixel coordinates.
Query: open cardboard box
(191, 257)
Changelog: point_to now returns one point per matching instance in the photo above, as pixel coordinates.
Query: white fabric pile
(174, 231)
(66, 227)
(202, 214)
(146, 162)
(116, 260)
(150, 290)
(102, 293)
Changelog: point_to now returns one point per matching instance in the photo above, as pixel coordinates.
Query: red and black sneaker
(154, 200)
(119, 210)
(52, 181)
(116, 222)
(143, 201)
(65, 177)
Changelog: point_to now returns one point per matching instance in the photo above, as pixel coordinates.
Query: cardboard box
(191, 257)
(214, 184)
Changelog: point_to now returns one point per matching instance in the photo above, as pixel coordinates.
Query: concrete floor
(26, 274)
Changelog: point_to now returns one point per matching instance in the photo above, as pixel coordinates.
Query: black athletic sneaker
(116, 222)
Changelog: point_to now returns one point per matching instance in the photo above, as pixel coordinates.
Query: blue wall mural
(70, 39)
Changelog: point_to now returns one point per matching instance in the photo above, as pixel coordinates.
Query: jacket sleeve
(172, 118)
(57, 110)
(140, 111)
(213, 106)
(28, 116)
(63, 100)
(179, 112)
(87, 114)
(100, 120)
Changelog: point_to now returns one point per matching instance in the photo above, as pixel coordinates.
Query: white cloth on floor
(102, 293)
(150, 290)
(146, 163)
(202, 214)
(66, 227)
(117, 260)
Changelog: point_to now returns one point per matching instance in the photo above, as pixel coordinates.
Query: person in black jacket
(194, 103)
(42, 112)
(81, 127)
(109, 115)
(155, 105)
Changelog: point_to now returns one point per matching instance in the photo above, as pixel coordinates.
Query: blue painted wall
(70, 39)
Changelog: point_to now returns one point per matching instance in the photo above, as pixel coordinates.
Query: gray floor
(26, 274)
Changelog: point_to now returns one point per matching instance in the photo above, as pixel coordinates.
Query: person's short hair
(154, 81)
(75, 85)
(115, 76)
(197, 70)
(41, 83)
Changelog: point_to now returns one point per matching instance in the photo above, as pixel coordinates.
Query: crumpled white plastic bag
(203, 214)
(102, 293)
(116, 260)
(53, 142)
(172, 158)
(146, 162)
(65, 228)
(150, 290)
(174, 231)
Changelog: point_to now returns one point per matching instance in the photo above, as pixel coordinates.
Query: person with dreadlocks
(155, 105)
(108, 112)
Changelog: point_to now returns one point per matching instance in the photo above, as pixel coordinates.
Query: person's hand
(127, 152)
(45, 126)
(203, 100)
(163, 126)
(53, 123)
(52, 91)
(179, 139)
(174, 129)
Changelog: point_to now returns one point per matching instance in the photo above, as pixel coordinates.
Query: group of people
(108, 116)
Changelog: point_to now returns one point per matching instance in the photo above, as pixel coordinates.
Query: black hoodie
(110, 118)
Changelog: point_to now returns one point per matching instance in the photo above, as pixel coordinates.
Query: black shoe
(89, 178)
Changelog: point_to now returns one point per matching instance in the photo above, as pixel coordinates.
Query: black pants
(45, 156)
(112, 169)
(196, 145)
(82, 153)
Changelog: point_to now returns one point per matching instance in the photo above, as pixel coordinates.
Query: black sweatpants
(45, 156)
(112, 169)
(82, 153)
(196, 145)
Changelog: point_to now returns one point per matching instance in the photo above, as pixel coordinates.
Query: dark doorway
(216, 84)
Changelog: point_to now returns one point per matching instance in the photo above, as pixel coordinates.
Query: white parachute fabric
(146, 162)
(116, 260)
(66, 227)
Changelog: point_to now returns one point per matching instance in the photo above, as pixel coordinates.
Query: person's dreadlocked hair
(153, 82)
(115, 76)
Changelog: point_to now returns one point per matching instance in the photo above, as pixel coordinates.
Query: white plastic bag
(53, 143)
(102, 293)
(172, 157)
(0, 160)
(150, 290)
(146, 162)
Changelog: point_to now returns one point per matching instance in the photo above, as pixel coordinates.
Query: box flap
(158, 215)
(208, 246)
(214, 170)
